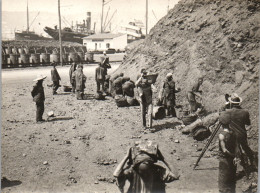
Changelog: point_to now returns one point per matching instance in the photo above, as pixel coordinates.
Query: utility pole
(146, 18)
(168, 7)
(103, 1)
(27, 18)
(60, 33)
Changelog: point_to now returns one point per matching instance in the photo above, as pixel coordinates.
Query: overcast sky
(75, 10)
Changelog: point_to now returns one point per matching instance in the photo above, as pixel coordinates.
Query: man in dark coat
(100, 77)
(237, 119)
(128, 87)
(192, 93)
(145, 168)
(39, 97)
(111, 83)
(80, 80)
(227, 166)
(168, 95)
(72, 69)
(55, 77)
(105, 62)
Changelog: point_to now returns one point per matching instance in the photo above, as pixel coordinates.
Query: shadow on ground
(9, 183)
(166, 125)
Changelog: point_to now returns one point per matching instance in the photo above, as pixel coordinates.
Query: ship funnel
(88, 21)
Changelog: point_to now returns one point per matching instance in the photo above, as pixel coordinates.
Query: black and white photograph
(130, 96)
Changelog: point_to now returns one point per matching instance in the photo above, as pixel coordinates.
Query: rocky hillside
(218, 40)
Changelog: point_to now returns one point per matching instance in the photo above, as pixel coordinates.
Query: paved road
(28, 74)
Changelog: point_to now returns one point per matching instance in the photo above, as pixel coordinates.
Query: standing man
(100, 77)
(192, 93)
(238, 120)
(55, 77)
(80, 80)
(227, 157)
(105, 62)
(168, 95)
(144, 87)
(72, 69)
(39, 97)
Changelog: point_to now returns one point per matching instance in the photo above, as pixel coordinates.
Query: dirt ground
(78, 150)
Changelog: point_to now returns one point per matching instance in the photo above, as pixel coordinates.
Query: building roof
(103, 36)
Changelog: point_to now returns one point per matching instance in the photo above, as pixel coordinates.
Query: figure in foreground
(39, 97)
(146, 169)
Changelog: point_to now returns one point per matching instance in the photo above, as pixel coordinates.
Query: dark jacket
(38, 93)
(55, 75)
(100, 74)
(79, 79)
(128, 88)
(195, 88)
(169, 89)
(237, 115)
(72, 69)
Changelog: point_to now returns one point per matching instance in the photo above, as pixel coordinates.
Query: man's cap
(104, 52)
(169, 75)
(126, 78)
(143, 71)
(40, 77)
(235, 99)
(121, 74)
(80, 66)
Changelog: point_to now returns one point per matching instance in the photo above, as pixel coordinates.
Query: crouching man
(146, 169)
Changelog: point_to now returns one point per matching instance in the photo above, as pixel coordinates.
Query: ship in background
(73, 33)
(134, 30)
(28, 35)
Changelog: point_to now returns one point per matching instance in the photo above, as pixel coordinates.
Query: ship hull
(66, 36)
(28, 36)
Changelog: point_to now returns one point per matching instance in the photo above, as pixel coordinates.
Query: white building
(105, 41)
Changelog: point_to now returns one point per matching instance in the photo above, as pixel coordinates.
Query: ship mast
(102, 14)
(146, 18)
(103, 2)
(27, 29)
(60, 33)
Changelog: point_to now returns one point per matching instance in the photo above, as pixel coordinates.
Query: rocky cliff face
(218, 40)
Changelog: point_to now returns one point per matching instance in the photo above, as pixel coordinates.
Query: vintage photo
(130, 96)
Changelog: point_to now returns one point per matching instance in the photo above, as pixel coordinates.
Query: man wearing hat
(105, 62)
(192, 93)
(144, 88)
(238, 120)
(100, 77)
(55, 77)
(167, 95)
(39, 97)
(80, 80)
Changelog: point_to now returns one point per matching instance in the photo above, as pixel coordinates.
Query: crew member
(73, 67)
(227, 158)
(80, 80)
(168, 95)
(238, 120)
(128, 87)
(100, 77)
(192, 93)
(105, 62)
(55, 77)
(39, 97)
(145, 169)
(144, 87)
